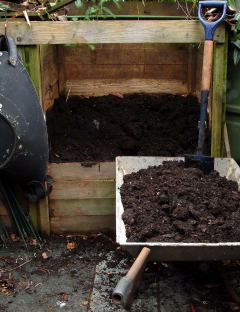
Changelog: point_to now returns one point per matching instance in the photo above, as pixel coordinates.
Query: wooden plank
(191, 69)
(127, 54)
(82, 207)
(79, 55)
(82, 224)
(3, 210)
(7, 222)
(218, 103)
(75, 171)
(117, 56)
(168, 72)
(99, 87)
(53, 32)
(167, 54)
(83, 189)
(49, 77)
(75, 71)
(44, 218)
(31, 60)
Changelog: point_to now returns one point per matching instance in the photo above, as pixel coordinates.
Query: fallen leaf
(86, 261)
(117, 94)
(193, 308)
(34, 242)
(84, 237)
(71, 245)
(14, 237)
(45, 255)
(65, 297)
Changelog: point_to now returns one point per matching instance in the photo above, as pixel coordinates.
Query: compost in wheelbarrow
(179, 202)
(178, 251)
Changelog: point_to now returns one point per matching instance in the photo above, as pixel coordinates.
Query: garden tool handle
(207, 65)
(126, 287)
(210, 27)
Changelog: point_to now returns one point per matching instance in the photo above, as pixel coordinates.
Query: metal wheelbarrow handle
(210, 27)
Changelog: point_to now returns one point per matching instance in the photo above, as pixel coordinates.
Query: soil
(173, 203)
(101, 128)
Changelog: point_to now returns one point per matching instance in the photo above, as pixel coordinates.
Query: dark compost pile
(101, 128)
(173, 203)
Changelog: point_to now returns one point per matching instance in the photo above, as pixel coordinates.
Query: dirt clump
(173, 203)
(101, 128)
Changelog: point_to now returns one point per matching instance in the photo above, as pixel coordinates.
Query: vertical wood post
(31, 57)
(218, 109)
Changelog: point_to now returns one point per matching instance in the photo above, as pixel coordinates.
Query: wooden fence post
(31, 57)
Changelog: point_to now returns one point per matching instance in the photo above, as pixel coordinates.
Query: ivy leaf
(78, 4)
(116, 2)
(236, 43)
(91, 11)
(237, 17)
(107, 11)
(236, 56)
(91, 47)
(232, 3)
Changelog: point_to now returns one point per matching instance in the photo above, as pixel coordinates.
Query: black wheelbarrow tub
(163, 251)
(24, 141)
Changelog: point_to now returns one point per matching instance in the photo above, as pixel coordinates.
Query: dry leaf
(117, 94)
(34, 242)
(45, 255)
(14, 237)
(193, 308)
(65, 297)
(71, 245)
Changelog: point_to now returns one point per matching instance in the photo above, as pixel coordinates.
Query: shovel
(124, 291)
(209, 28)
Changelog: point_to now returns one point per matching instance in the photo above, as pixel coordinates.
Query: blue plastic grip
(210, 27)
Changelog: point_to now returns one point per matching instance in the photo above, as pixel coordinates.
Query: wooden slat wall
(50, 75)
(83, 198)
(126, 68)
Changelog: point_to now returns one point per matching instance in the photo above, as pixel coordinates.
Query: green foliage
(235, 38)
(99, 8)
(96, 8)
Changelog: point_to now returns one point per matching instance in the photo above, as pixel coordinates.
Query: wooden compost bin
(152, 56)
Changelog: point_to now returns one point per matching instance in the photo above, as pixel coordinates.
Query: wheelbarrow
(163, 251)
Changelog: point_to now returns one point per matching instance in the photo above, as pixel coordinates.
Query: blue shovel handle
(210, 27)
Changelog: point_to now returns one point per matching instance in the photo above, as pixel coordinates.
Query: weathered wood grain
(81, 224)
(98, 87)
(82, 207)
(75, 71)
(6, 221)
(75, 171)
(218, 103)
(49, 75)
(83, 189)
(3, 210)
(53, 32)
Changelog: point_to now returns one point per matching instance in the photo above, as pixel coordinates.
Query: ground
(79, 274)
